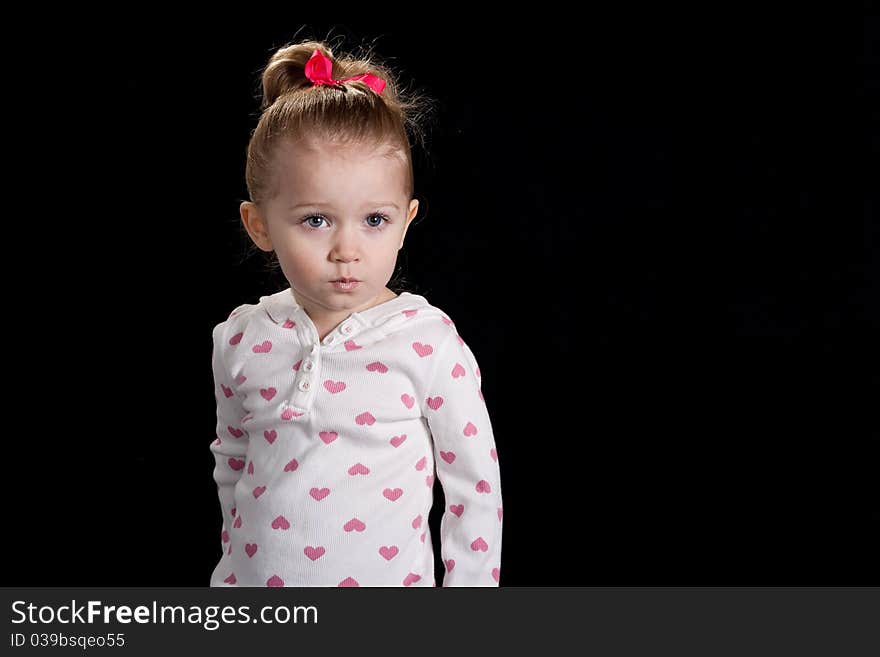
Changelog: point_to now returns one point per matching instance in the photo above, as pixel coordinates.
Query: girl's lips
(342, 286)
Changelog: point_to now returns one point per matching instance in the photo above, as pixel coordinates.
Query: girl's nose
(346, 248)
(339, 256)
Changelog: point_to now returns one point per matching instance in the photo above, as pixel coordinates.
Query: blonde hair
(352, 113)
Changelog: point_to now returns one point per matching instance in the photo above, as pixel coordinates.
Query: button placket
(303, 389)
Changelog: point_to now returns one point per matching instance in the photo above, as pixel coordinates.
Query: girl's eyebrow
(369, 204)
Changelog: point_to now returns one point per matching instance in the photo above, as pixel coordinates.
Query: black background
(645, 225)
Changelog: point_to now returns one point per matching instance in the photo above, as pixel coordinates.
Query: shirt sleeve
(467, 467)
(230, 446)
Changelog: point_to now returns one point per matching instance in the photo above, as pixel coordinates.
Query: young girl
(338, 400)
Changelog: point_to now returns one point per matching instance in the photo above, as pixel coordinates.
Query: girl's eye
(375, 220)
(381, 220)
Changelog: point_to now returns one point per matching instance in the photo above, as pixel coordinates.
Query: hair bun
(286, 70)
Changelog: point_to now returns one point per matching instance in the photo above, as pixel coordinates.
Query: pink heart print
(351, 345)
(227, 392)
(280, 523)
(297, 364)
(410, 313)
(328, 436)
(358, 469)
(394, 494)
(237, 523)
(449, 457)
(319, 493)
(224, 536)
(349, 581)
(259, 490)
(457, 509)
(231, 579)
(354, 524)
(435, 402)
(270, 436)
(389, 551)
(500, 514)
(429, 481)
(411, 578)
(450, 564)
(241, 378)
(314, 553)
(365, 418)
(422, 349)
(483, 486)
(235, 339)
(377, 367)
(421, 463)
(250, 548)
(275, 581)
(457, 371)
(417, 521)
(470, 430)
(236, 433)
(407, 400)
(251, 468)
(236, 464)
(292, 465)
(334, 386)
(288, 323)
(268, 393)
(264, 348)
(289, 414)
(397, 441)
(479, 545)
(496, 574)
(494, 454)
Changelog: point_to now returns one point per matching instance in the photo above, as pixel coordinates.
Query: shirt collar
(282, 307)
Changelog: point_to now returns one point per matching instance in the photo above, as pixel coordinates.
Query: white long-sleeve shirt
(326, 450)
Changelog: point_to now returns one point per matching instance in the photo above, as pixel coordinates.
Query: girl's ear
(413, 210)
(255, 224)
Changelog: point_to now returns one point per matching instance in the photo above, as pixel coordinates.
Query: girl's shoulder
(415, 314)
(229, 330)
(425, 328)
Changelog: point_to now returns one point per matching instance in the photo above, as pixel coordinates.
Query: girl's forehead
(324, 150)
(334, 166)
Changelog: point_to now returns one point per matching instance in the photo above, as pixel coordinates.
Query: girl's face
(340, 211)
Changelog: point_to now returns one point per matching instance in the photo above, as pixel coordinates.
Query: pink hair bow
(319, 69)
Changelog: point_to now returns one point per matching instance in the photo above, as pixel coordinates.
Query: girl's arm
(230, 446)
(467, 466)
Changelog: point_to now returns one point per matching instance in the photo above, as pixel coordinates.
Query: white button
(304, 384)
(347, 328)
(307, 366)
(329, 338)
